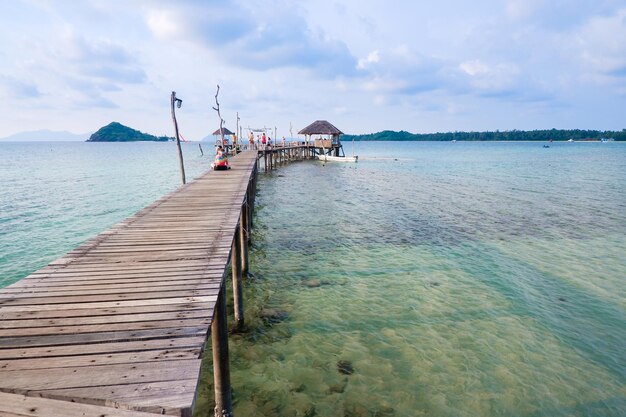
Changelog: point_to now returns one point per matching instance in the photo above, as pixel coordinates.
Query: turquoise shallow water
(55, 195)
(462, 279)
(445, 279)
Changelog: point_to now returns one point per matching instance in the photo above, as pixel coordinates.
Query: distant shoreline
(553, 135)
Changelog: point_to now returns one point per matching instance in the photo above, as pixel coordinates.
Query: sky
(363, 65)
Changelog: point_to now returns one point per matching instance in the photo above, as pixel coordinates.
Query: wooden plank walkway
(14, 405)
(122, 320)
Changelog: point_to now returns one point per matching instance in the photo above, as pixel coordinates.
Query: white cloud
(474, 67)
(520, 9)
(372, 58)
(500, 78)
(252, 36)
(163, 25)
(279, 61)
(602, 44)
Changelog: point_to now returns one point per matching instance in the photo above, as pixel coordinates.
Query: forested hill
(509, 135)
(117, 132)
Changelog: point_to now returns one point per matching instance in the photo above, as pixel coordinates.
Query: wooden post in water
(178, 102)
(249, 211)
(237, 287)
(244, 232)
(238, 136)
(221, 367)
(251, 199)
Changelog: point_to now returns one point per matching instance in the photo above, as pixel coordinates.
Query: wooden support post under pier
(221, 366)
(236, 272)
(249, 208)
(244, 232)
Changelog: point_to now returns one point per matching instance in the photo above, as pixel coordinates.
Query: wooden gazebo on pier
(225, 131)
(218, 137)
(327, 140)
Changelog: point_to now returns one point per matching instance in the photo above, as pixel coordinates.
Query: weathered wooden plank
(163, 257)
(114, 336)
(109, 319)
(23, 381)
(128, 268)
(96, 328)
(111, 312)
(163, 279)
(101, 359)
(102, 348)
(14, 405)
(24, 299)
(105, 304)
(111, 289)
(156, 397)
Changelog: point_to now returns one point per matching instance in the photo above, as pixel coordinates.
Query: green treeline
(116, 132)
(508, 135)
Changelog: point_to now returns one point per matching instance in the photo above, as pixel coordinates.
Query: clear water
(56, 195)
(462, 279)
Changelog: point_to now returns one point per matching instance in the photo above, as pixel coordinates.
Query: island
(508, 135)
(117, 132)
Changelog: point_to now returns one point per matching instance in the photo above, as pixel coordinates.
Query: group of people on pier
(221, 155)
(262, 141)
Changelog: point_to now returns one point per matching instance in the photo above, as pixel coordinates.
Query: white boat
(330, 158)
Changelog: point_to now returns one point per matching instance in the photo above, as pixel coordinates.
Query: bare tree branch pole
(217, 109)
(178, 102)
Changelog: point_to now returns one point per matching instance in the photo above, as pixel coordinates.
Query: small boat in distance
(330, 158)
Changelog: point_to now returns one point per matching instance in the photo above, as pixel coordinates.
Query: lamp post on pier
(178, 102)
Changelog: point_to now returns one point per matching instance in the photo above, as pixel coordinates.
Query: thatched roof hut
(226, 132)
(320, 127)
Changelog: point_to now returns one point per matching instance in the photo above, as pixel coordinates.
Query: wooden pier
(275, 156)
(117, 326)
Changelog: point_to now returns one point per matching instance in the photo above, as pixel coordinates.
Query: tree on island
(117, 132)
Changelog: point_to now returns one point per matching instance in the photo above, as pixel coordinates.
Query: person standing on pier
(251, 140)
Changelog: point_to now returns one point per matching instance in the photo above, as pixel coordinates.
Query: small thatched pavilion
(226, 132)
(218, 136)
(328, 136)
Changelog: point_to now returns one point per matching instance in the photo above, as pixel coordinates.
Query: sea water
(55, 195)
(428, 279)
